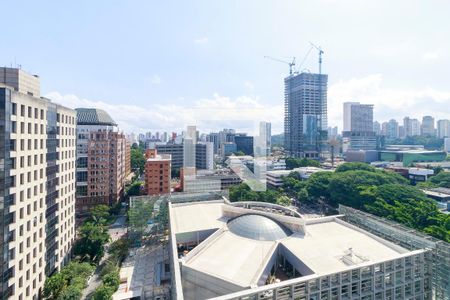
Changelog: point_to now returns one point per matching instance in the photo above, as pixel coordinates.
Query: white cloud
(389, 103)
(209, 114)
(155, 79)
(431, 55)
(244, 112)
(249, 85)
(201, 40)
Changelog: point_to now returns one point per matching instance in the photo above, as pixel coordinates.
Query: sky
(163, 65)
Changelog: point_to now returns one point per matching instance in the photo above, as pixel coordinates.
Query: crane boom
(291, 64)
(320, 56)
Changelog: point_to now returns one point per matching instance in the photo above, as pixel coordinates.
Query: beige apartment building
(38, 185)
(101, 160)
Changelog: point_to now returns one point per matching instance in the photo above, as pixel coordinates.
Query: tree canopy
(361, 186)
(441, 180)
(93, 238)
(292, 163)
(69, 282)
(137, 159)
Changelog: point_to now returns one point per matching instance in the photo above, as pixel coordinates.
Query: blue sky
(161, 65)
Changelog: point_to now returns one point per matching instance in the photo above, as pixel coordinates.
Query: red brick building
(101, 160)
(157, 172)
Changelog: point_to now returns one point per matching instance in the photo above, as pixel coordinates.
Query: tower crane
(291, 64)
(320, 56)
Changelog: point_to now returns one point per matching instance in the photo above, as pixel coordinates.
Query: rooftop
(160, 157)
(93, 116)
(325, 244)
(258, 227)
(196, 216)
(245, 245)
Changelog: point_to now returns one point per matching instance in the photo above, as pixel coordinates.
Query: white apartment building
(38, 190)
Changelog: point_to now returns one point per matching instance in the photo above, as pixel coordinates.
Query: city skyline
(221, 64)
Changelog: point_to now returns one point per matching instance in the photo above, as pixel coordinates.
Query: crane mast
(318, 48)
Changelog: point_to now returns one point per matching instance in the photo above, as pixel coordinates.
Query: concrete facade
(38, 191)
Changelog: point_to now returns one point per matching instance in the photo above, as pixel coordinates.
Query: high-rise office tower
(443, 128)
(377, 127)
(213, 137)
(407, 125)
(415, 127)
(428, 126)
(165, 137)
(358, 131)
(101, 155)
(401, 132)
(447, 145)
(244, 143)
(37, 191)
(305, 119)
(332, 132)
(264, 138)
(392, 129)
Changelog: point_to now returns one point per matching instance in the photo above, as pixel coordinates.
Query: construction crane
(291, 64)
(320, 56)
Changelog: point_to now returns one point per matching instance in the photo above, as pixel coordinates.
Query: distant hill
(277, 140)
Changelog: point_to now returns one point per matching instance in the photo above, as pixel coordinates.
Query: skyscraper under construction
(305, 119)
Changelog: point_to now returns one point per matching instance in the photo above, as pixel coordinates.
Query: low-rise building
(409, 157)
(275, 178)
(441, 196)
(238, 250)
(207, 180)
(157, 172)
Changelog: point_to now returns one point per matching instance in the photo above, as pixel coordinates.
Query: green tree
(71, 293)
(354, 166)
(293, 183)
(292, 162)
(239, 153)
(283, 200)
(69, 282)
(442, 179)
(303, 195)
(140, 214)
(317, 185)
(92, 240)
(119, 248)
(112, 280)
(54, 286)
(100, 214)
(103, 292)
(242, 192)
(134, 189)
(137, 159)
(345, 187)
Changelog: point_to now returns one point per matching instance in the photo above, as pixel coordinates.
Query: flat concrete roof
(241, 261)
(324, 245)
(197, 216)
(236, 259)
